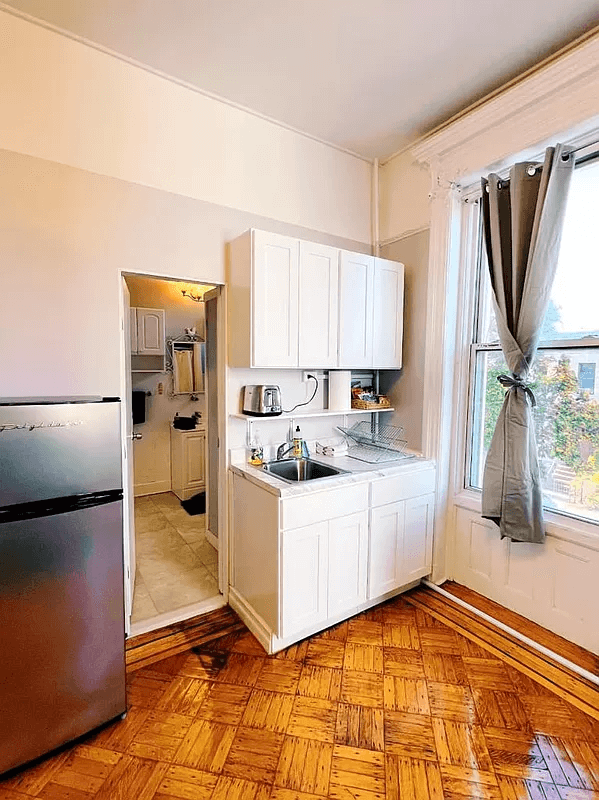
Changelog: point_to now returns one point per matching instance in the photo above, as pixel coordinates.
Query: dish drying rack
(375, 443)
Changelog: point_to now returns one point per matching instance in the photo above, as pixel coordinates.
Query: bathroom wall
(151, 454)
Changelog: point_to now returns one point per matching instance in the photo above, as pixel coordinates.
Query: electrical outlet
(320, 374)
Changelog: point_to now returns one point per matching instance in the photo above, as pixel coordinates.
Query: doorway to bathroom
(172, 439)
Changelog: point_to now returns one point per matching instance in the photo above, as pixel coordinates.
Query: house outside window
(563, 375)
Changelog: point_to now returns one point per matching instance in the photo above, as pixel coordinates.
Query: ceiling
(367, 76)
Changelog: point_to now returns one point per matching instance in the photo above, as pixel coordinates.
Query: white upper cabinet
(387, 314)
(275, 300)
(318, 271)
(295, 304)
(150, 331)
(356, 296)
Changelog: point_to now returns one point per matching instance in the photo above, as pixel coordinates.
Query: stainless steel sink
(302, 469)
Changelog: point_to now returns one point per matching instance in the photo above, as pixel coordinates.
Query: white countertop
(359, 472)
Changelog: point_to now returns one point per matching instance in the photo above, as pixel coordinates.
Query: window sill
(558, 526)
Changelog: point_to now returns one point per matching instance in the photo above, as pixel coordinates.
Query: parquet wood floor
(391, 705)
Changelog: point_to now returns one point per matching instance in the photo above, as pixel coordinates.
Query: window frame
(473, 308)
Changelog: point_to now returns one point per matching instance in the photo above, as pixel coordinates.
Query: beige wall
(66, 102)
(406, 388)
(404, 188)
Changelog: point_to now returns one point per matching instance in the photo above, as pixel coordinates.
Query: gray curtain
(523, 219)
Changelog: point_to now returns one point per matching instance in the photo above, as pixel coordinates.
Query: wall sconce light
(196, 298)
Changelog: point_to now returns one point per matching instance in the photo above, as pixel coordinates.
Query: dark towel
(196, 504)
(138, 406)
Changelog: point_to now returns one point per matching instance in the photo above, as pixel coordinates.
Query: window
(563, 375)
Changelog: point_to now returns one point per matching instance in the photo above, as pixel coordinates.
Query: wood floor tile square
(145, 692)
(401, 635)
(248, 644)
(206, 746)
(313, 718)
(361, 727)
(409, 735)
(500, 710)
(205, 664)
(406, 694)
(461, 745)
(444, 668)
(132, 777)
(413, 779)
(363, 658)
(241, 669)
(565, 763)
(485, 673)
(398, 611)
(325, 653)
(238, 789)
(160, 735)
(322, 682)
(279, 676)
(279, 793)
(305, 766)
(186, 783)
(269, 711)
(254, 755)
(362, 689)
(184, 696)
(297, 652)
(451, 701)
(553, 717)
(357, 773)
(365, 632)
(225, 703)
(442, 640)
(403, 663)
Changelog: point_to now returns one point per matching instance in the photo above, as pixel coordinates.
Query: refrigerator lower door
(62, 668)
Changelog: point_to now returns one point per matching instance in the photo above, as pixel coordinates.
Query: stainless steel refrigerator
(62, 636)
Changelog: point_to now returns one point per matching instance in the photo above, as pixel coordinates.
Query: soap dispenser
(298, 443)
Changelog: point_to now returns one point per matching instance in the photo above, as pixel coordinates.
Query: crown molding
(558, 100)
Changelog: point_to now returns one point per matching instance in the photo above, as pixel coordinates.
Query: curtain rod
(567, 155)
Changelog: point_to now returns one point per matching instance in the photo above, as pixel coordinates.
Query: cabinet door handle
(135, 436)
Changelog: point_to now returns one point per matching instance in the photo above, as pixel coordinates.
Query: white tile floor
(176, 566)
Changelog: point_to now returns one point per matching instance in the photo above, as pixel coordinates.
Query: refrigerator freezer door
(60, 450)
(62, 671)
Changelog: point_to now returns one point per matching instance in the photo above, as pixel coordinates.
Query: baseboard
(254, 622)
(212, 539)
(155, 487)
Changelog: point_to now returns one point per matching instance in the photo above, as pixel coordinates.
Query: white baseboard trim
(178, 615)
(254, 622)
(212, 539)
(155, 487)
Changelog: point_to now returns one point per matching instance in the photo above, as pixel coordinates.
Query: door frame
(223, 416)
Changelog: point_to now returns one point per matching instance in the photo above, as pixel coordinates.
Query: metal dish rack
(375, 443)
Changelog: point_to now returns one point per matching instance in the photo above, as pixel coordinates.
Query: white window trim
(557, 103)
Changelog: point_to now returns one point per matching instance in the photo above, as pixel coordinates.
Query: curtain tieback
(508, 382)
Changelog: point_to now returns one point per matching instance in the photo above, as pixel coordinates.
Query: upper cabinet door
(318, 302)
(388, 314)
(356, 290)
(150, 332)
(133, 330)
(275, 300)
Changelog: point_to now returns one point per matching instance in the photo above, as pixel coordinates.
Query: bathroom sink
(302, 469)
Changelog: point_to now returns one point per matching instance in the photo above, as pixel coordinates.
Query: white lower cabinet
(188, 462)
(302, 563)
(401, 542)
(304, 556)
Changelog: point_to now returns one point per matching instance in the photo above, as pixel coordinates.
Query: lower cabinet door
(348, 551)
(417, 551)
(386, 540)
(304, 577)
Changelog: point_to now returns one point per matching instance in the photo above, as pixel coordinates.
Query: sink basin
(302, 469)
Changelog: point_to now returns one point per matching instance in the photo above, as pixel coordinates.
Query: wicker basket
(369, 405)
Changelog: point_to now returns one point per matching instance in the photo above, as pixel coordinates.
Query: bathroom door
(211, 301)
(127, 433)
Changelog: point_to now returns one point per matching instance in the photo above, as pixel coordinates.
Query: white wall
(67, 102)
(65, 234)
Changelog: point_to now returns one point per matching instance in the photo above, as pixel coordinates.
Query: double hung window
(563, 377)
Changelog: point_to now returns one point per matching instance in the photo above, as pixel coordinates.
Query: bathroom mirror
(189, 365)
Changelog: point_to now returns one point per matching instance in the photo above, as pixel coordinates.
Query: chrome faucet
(285, 448)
